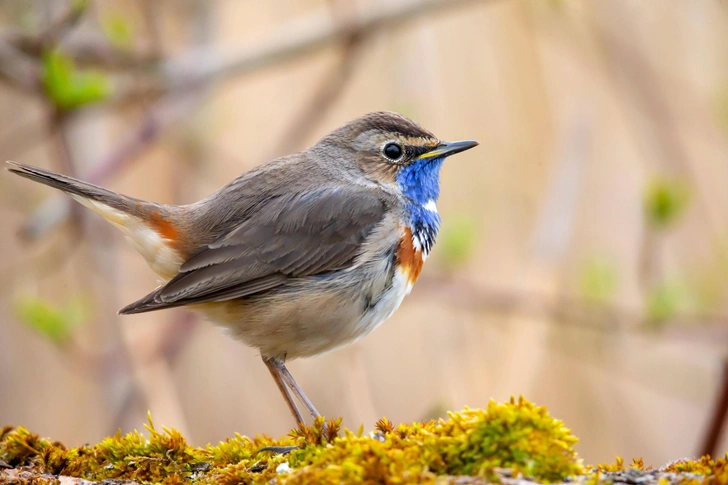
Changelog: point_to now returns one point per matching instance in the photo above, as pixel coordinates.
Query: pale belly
(310, 321)
(386, 306)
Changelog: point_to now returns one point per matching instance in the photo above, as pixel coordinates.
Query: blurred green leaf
(665, 200)
(68, 88)
(118, 30)
(55, 323)
(664, 301)
(457, 240)
(80, 5)
(598, 280)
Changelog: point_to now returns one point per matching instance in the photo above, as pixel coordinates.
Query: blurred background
(583, 258)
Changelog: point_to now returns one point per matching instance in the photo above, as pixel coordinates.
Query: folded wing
(288, 236)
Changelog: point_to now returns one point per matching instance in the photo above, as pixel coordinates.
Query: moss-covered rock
(516, 435)
(512, 442)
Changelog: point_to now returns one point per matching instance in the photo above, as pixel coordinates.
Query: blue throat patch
(420, 183)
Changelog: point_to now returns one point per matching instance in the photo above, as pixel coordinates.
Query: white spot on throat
(430, 206)
(417, 244)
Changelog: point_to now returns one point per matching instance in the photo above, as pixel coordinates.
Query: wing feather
(288, 237)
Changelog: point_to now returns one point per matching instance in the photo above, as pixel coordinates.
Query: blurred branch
(625, 57)
(294, 39)
(93, 49)
(322, 99)
(203, 65)
(18, 70)
(557, 217)
(566, 309)
(174, 339)
(324, 96)
(151, 23)
(51, 35)
(57, 126)
(710, 443)
(17, 49)
(191, 71)
(165, 112)
(58, 121)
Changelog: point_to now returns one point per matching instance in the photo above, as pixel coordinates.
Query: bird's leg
(293, 385)
(274, 368)
(284, 380)
(279, 371)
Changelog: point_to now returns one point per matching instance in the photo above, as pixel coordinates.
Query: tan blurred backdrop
(583, 259)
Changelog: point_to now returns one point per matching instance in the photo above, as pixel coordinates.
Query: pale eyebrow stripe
(418, 141)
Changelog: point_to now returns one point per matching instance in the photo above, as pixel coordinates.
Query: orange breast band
(409, 258)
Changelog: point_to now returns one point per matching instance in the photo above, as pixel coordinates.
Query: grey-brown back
(292, 218)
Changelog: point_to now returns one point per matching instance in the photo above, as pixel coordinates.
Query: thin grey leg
(275, 372)
(297, 391)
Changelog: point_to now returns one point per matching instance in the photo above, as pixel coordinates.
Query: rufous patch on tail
(154, 239)
(143, 223)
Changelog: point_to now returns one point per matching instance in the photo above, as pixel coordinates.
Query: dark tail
(78, 188)
(117, 208)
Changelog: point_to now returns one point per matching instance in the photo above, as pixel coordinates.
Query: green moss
(715, 470)
(689, 472)
(503, 440)
(165, 457)
(517, 435)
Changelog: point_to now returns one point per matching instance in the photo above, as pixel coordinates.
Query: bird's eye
(393, 151)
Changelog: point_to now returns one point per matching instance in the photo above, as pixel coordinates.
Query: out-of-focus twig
(558, 215)
(564, 309)
(293, 39)
(18, 70)
(165, 112)
(151, 23)
(18, 49)
(325, 95)
(204, 65)
(709, 446)
(185, 77)
(645, 89)
(322, 99)
(174, 340)
(91, 49)
(57, 125)
(53, 33)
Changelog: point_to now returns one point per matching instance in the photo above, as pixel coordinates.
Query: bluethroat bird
(299, 256)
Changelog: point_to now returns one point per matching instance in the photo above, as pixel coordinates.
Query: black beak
(447, 148)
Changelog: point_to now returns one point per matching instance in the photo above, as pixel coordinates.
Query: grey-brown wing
(290, 236)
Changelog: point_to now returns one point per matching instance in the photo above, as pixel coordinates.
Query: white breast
(387, 304)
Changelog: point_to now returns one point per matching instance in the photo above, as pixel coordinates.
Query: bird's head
(394, 150)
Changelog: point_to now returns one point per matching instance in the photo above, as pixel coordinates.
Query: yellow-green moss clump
(502, 441)
(516, 435)
(705, 470)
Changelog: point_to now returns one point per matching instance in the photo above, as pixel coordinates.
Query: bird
(298, 256)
